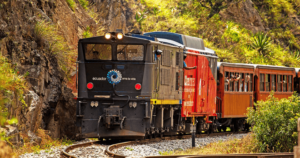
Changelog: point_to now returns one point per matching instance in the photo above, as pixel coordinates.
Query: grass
(72, 4)
(57, 45)
(84, 4)
(87, 33)
(234, 146)
(46, 144)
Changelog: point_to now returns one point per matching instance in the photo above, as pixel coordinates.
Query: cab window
(130, 52)
(98, 52)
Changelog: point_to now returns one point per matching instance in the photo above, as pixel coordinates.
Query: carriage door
(202, 84)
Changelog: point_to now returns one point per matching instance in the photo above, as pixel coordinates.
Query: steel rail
(110, 148)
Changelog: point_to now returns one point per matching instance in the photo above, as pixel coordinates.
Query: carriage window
(279, 81)
(267, 82)
(241, 82)
(231, 88)
(98, 52)
(284, 82)
(247, 78)
(236, 80)
(226, 81)
(273, 81)
(130, 52)
(261, 82)
(250, 82)
(290, 84)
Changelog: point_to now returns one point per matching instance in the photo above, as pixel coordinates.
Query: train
(137, 86)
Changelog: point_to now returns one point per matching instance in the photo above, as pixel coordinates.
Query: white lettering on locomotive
(189, 89)
(188, 103)
(104, 78)
(189, 81)
(128, 79)
(99, 78)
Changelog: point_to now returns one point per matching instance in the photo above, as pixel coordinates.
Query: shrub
(274, 123)
(72, 4)
(84, 4)
(87, 33)
(11, 83)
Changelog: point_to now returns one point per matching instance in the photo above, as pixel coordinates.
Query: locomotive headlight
(96, 104)
(134, 104)
(130, 104)
(119, 36)
(92, 104)
(107, 35)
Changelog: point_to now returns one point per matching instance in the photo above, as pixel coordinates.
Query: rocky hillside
(39, 39)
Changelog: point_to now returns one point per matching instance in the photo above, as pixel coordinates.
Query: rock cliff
(50, 103)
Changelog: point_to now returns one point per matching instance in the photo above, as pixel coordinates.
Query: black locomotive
(129, 87)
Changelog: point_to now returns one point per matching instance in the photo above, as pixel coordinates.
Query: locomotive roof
(101, 39)
(188, 41)
(254, 66)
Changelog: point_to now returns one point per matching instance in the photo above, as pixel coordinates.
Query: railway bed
(110, 153)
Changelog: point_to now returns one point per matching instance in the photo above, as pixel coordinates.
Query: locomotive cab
(111, 83)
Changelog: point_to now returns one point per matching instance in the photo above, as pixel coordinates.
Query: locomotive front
(114, 86)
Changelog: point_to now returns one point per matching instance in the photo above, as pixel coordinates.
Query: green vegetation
(71, 4)
(87, 33)
(58, 46)
(84, 4)
(261, 43)
(274, 123)
(129, 148)
(46, 144)
(11, 84)
(231, 41)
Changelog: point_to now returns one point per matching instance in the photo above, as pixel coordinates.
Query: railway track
(110, 153)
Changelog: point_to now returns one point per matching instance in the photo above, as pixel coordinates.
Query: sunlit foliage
(231, 41)
(274, 123)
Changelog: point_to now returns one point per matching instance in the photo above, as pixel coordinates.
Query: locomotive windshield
(130, 52)
(98, 52)
(125, 52)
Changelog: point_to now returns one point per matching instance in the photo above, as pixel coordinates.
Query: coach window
(250, 83)
(273, 82)
(130, 52)
(98, 52)
(267, 82)
(241, 82)
(284, 82)
(226, 81)
(236, 81)
(290, 83)
(247, 79)
(279, 83)
(261, 82)
(231, 88)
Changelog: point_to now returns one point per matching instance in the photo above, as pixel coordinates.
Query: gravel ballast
(153, 149)
(135, 150)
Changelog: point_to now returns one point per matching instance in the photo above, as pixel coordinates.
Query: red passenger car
(235, 92)
(274, 78)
